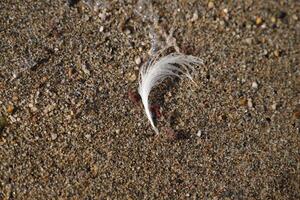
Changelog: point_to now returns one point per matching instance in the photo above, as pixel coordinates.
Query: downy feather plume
(160, 67)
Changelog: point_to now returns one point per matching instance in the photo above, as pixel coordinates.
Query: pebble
(132, 77)
(10, 109)
(274, 106)
(53, 136)
(258, 21)
(249, 103)
(210, 5)
(195, 16)
(295, 17)
(15, 98)
(138, 60)
(88, 136)
(127, 32)
(86, 18)
(254, 85)
(276, 53)
(199, 133)
(85, 69)
(102, 16)
(32, 107)
(249, 41)
(243, 101)
(49, 108)
(273, 19)
(101, 29)
(94, 170)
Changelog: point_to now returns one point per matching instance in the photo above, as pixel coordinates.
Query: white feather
(157, 69)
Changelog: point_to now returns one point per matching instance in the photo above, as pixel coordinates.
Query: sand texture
(72, 127)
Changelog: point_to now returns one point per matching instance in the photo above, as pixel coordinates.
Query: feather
(160, 67)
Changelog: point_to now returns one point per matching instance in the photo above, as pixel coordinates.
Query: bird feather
(160, 67)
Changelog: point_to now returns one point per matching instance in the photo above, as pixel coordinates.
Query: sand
(69, 129)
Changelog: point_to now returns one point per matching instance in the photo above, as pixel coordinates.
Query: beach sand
(69, 129)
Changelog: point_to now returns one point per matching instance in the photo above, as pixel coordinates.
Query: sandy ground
(69, 130)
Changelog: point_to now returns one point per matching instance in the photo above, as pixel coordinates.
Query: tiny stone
(127, 32)
(15, 98)
(199, 133)
(195, 16)
(101, 29)
(12, 119)
(273, 19)
(94, 170)
(53, 136)
(249, 103)
(88, 136)
(85, 70)
(295, 17)
(117, 131)
(34, 109)
(10, 109)
(254, 85)
(248, 41)
(258, 21)
(49, 108)
(102, 16)
(138, 60)
(132, 77)
(86, 18)
(243, 101)
(274, 106)
(276, 53)
(265, 52)
(211, 5)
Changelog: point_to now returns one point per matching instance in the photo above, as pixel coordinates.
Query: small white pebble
(138, 60)
(199, 133)
(248, 41)
(127, 32)
(254, 85)
(34, 109)
(101, 29)
(195, 16)
(85, 69)
(211, 5)
(86, 18)
(102, 16)
(249, 102)
(53, 136)
(132, 77)
(88, 136)
(274, 106)
(263, 26)
(295, 17)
